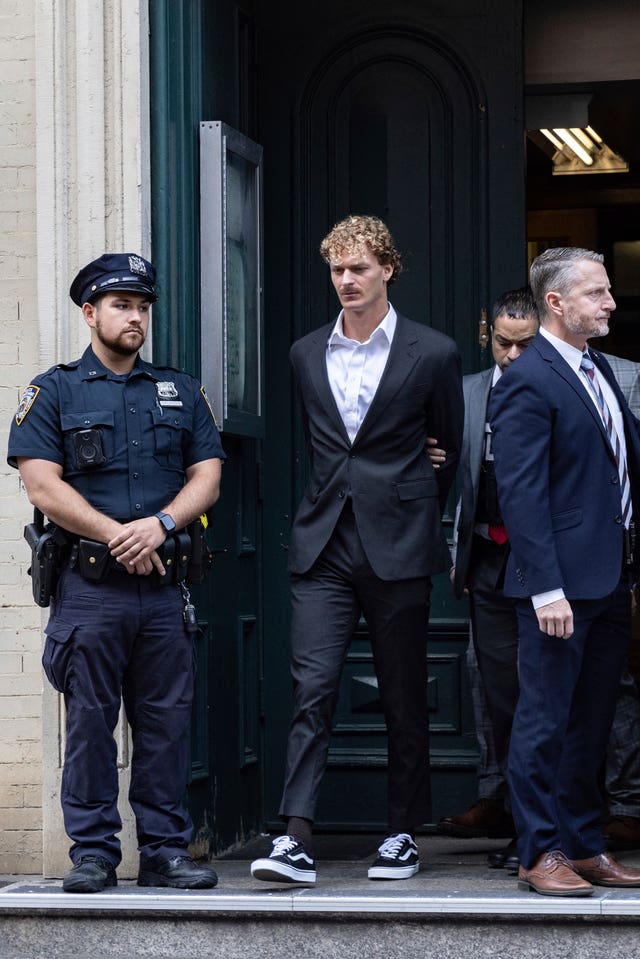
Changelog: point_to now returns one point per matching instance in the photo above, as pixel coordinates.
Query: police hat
(114, 271)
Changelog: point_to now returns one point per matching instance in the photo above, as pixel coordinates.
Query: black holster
(49, 547)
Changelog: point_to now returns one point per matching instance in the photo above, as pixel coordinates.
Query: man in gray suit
(481, 552)
(367, 536)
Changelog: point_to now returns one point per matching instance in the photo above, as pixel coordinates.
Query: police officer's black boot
(181, 872)
(90, 874)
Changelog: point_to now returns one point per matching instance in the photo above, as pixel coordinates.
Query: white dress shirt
(355, 369)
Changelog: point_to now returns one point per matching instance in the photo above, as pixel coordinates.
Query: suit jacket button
(341, 493)
(618, 520)
(615, 479)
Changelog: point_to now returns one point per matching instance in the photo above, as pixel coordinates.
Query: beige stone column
(92, 157)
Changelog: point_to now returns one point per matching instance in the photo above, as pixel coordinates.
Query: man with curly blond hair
(359, 231)
(367, 537)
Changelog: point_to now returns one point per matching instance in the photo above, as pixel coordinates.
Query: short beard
(115, 345)
(576, 325)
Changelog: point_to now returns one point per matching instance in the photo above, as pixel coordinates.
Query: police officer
(121, 455)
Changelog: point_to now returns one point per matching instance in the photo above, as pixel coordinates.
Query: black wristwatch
(167, 523)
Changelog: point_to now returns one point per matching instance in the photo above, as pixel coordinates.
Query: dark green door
(413, 121)
(201, 69)
(411, 111)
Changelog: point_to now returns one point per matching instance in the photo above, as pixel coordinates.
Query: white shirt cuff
(542, 599)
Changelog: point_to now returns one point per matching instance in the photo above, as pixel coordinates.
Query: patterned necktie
(588, 369)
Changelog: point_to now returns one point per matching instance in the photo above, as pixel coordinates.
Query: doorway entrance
(391, 119)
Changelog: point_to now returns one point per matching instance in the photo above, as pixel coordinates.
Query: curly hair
(356, 231)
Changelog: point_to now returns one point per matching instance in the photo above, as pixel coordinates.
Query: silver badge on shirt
(167, 394)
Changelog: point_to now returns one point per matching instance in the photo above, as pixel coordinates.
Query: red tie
(498, 534)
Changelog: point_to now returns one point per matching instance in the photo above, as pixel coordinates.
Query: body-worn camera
(88, 448)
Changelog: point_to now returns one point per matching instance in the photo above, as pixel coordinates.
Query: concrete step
(455, 907)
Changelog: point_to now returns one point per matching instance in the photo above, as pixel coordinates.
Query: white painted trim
(92, 196)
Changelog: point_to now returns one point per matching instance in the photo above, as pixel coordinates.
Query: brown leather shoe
(553, 875)
(486, 818)
(604, 870)
(622, 832)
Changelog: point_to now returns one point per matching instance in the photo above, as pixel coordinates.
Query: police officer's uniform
(124, 443)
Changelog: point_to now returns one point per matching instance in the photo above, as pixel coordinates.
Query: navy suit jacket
(396, 494)
(558, 482)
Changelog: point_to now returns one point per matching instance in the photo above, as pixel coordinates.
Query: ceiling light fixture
(581, 150)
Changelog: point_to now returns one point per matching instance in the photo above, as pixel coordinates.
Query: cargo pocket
(57, 654)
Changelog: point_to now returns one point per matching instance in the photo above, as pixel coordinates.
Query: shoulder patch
(27, 400)
(206, 399)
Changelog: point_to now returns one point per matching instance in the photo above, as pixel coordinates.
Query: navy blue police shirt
(123, 442)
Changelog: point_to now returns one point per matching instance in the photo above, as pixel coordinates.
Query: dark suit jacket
(396, 494)
(557, 479)
(476, 388)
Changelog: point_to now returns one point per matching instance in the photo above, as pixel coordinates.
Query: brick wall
(20, 621)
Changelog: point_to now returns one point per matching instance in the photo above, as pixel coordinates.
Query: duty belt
(94, 562)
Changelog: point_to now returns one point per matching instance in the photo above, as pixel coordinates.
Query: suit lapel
(477, 413)
(608, 374)
(316, 365)
(402, 357)
(562, 368)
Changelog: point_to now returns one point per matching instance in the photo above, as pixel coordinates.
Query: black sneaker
(181, 872)
(288, 862)
(397, 858)
(90, 874)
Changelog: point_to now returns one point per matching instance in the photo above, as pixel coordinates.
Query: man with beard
(121, 456)
(567, 464)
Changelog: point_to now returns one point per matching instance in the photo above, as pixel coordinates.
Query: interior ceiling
(614, 112)
(587, 47)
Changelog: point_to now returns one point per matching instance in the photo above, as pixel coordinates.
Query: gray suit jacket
(627, 373)
(476, 388)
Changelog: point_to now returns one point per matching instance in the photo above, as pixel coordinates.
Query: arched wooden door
(390, 119)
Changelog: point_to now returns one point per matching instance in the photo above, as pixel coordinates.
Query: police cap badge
(114, 271)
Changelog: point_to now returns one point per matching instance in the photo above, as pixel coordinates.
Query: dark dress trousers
(366, 538)
(560, 498)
